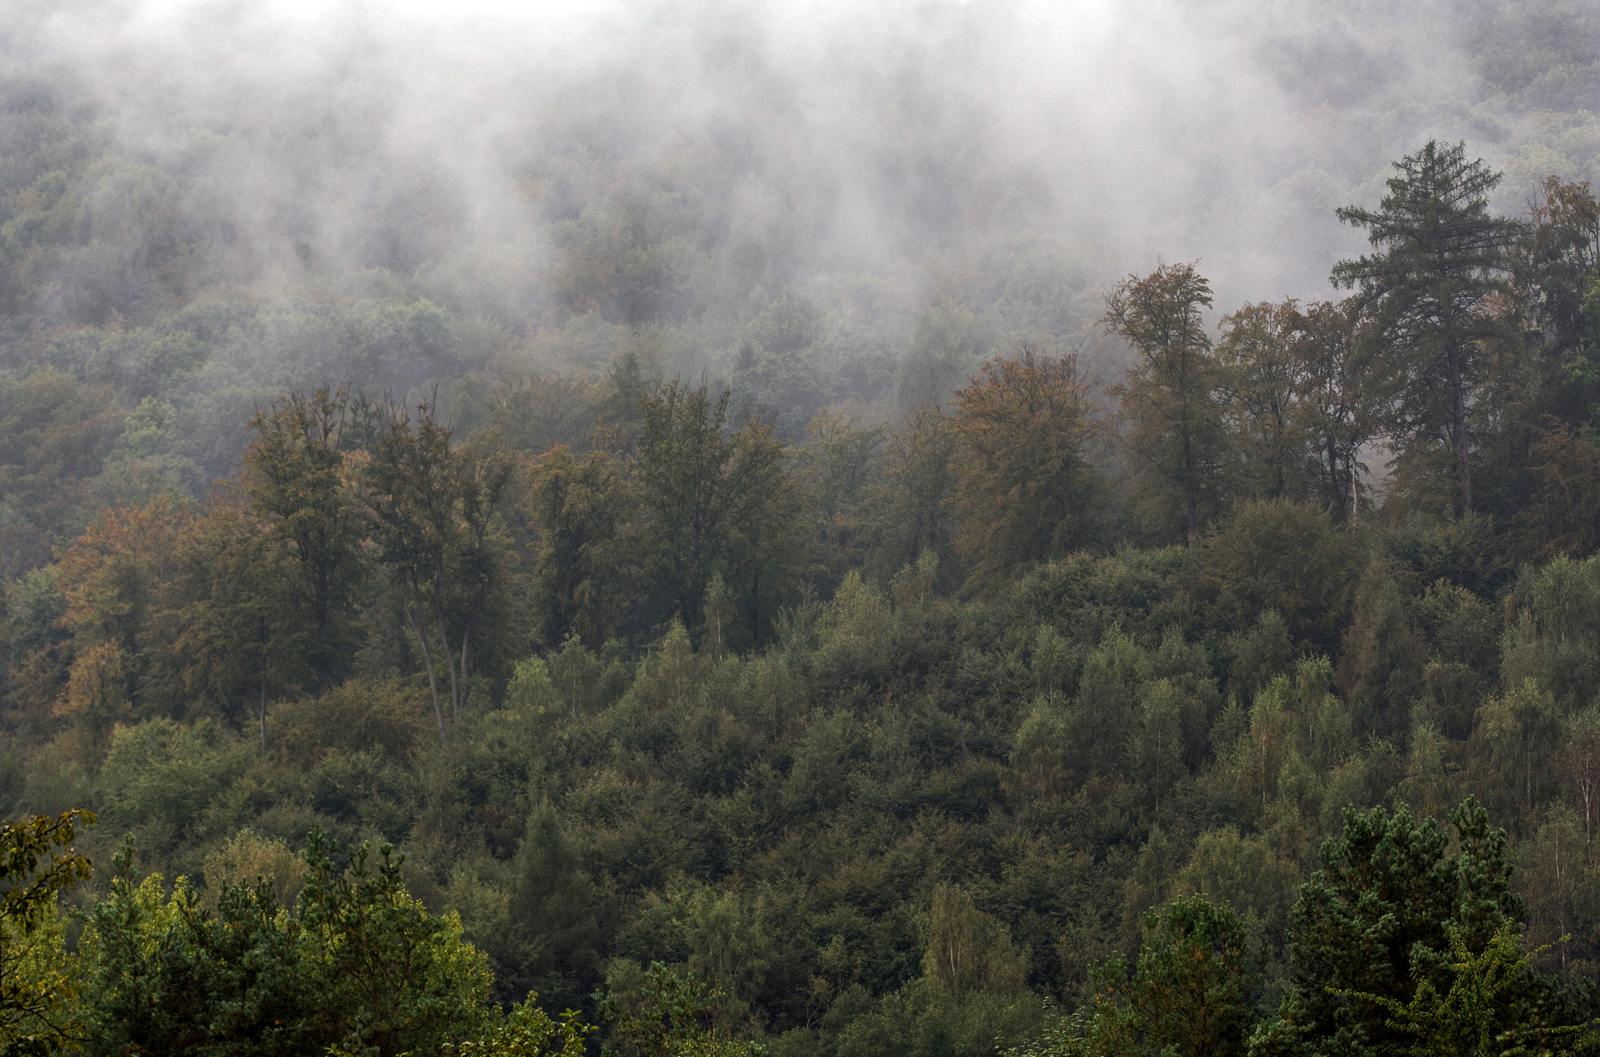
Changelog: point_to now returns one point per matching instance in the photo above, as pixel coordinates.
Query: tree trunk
(450, 666)
(1459, 398)
(1333, 474)
(433, 683)
(466, 635)
(1355, 492)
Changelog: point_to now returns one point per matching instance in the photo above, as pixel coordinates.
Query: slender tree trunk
(1458, 397)
(1355, 492)
(450, 666)
(433, 683)
(1586, 790)
(1333, 473)
(466, 635)
(262, 711)
(262, 708)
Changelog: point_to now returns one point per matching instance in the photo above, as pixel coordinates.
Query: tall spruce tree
(1430, 290)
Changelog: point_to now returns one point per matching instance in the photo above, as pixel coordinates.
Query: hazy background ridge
(396, 196)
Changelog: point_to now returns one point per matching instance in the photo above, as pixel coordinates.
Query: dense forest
(761, 607)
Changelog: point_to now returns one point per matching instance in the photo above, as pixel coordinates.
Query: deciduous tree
(1336, 402)
(1024, 490)
(581, 507)
(714, 504)
(37, 861)
(1260, 380)
(1557, 268)
(1176, 437)
(435, 507)
(293, 474)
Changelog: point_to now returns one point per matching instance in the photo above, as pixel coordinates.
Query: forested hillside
(765, 561)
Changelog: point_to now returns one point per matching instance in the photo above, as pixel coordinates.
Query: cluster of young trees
(1462, 352)
(892, 735)
(354, 965)
(910, 820)
(1403, 941)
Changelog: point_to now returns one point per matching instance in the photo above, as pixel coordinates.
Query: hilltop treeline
(896, 737)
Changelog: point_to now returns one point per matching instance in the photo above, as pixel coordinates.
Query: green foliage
(1284, 557)
(580, 508)
(836, 469)
(164, 780)
(435, 509)
(1382, 666)
(968, 951)
(1171, 395)
(668, 1015)
(1024, 489)
(38, 1013)
(553, 912)
(883, 730)
(714, 506)
(1241, 872)
(359, 964)
(57, 432)
(911, 517)
(528, 1031)
(1557, 264)
(1193, 992)
(1486, 1008)
(295, 474)
(1380, 919)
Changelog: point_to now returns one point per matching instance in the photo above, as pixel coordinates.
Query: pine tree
(1380, 919)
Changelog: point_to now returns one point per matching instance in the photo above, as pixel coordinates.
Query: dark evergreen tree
(1378, 919)
(1193, 994)
(1430, 293)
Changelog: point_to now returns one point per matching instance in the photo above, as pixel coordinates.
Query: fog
(752, 148)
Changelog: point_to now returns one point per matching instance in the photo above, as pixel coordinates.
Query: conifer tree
(1431, 291)
(1380, 919)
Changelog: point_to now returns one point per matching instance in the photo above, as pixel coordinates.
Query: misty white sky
(1224, 131)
